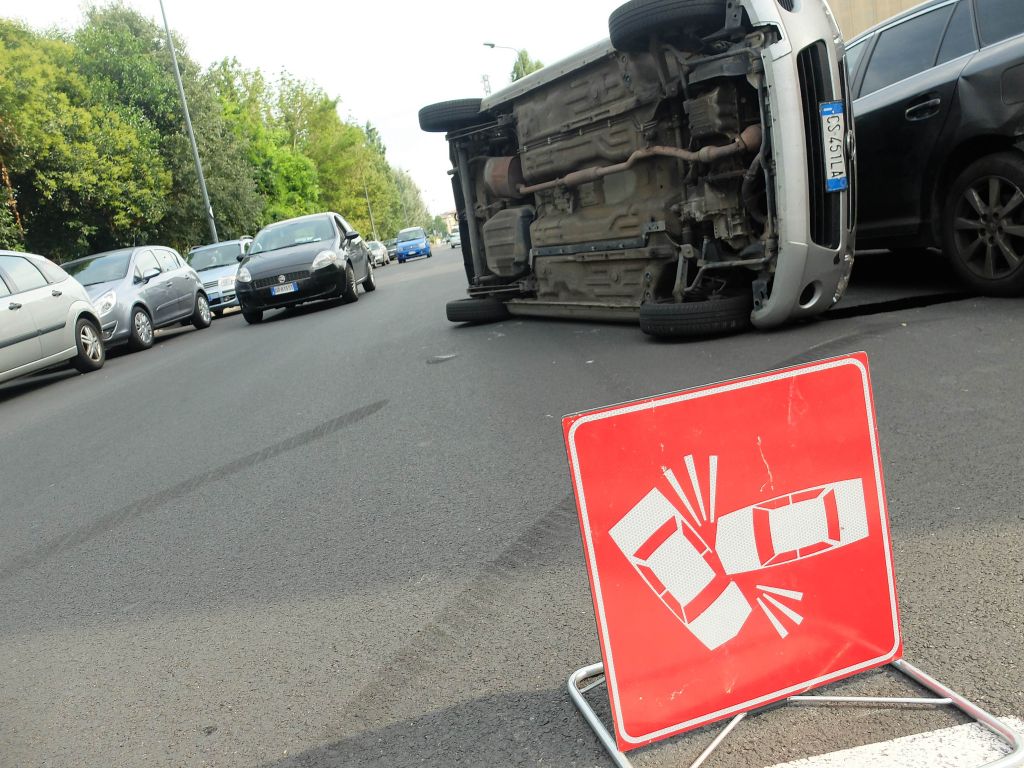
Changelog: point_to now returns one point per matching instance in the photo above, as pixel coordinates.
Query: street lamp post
(506, 47)
(191, 133)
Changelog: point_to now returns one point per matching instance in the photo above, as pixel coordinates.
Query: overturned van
(693, 173)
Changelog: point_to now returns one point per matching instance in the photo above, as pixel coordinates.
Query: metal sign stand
(590, 677)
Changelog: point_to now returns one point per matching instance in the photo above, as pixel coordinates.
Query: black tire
(350, 291)
(201, 314)
(218, 312)
(631, 25)
(89, 341)
(714, 317)
(446, 116)
(982, 235)
(369, 282)
(253, 316)
(476, 311)
(139, 337)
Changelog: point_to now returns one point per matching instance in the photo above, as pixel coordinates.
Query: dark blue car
(412, 242)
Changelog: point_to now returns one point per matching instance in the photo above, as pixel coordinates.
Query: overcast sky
(384, 58)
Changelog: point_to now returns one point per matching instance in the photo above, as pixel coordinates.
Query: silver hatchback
(45, 318)
(137, 290)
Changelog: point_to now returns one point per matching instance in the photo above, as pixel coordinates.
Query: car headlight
(324, 259)
(243, 275)
(105, 304)
(226, 282)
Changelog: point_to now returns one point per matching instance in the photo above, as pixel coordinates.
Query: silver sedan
(46, 318)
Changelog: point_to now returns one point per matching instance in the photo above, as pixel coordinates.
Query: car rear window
(999, 19)
(959, 37)
(905, 49)
(52, 272)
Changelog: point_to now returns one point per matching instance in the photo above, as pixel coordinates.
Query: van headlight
(243, 275)
(324, 259)
(105, 304)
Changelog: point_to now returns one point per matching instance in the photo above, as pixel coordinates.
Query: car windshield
(214, 256)
(292, 233)
(104, 268)
(411, 234)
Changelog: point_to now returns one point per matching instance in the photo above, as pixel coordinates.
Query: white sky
(384, 58)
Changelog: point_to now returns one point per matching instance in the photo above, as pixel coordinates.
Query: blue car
(412, 242)
(217, 265)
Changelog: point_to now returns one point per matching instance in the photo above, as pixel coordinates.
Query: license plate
(278, 290)
(833, 136)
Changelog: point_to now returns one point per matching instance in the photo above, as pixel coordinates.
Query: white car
(46, 318)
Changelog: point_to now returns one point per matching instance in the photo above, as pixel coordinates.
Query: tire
(140, 333)
(714, 317)
(447, 116)
(201, 315)
(350, 292)
(631, 25)
(369, 282)
(89, 341)
(430, 254)
(218, 312)
(253, 316)
(476, 311)
(983, 225)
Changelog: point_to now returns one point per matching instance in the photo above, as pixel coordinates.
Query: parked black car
(939, 108)
(299, 260)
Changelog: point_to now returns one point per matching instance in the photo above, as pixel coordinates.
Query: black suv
(939, 107)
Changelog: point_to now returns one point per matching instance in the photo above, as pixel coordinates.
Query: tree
(81, 176)
(525, 65)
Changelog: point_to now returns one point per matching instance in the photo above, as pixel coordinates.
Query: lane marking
(955, 747)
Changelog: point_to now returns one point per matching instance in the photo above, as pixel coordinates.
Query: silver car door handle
(55, 292)
(14, 305)
(924, 110)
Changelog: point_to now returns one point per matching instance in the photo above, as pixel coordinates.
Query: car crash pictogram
(671, 552)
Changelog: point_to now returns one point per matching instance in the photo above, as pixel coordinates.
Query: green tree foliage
(79, 172)
(524, 66)
(94, 153)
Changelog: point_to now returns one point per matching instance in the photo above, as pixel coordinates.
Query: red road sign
(737, 540)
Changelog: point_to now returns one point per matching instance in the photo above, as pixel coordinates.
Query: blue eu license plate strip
(833, 139)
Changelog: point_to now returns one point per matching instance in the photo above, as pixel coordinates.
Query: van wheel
(140, 331)
(632, 25)
(690, 320)
(476, 311)
(983, 227)
(91, 354)
(447, 116)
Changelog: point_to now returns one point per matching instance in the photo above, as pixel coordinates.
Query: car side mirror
(352, 235)
(149, 274)
(240, 257)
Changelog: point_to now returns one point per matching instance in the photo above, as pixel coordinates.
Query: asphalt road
(346, 537)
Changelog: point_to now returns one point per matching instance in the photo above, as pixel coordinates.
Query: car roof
(307, 217)
(898, 17)
(239, 240)
(112, 252)
(29, 256)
